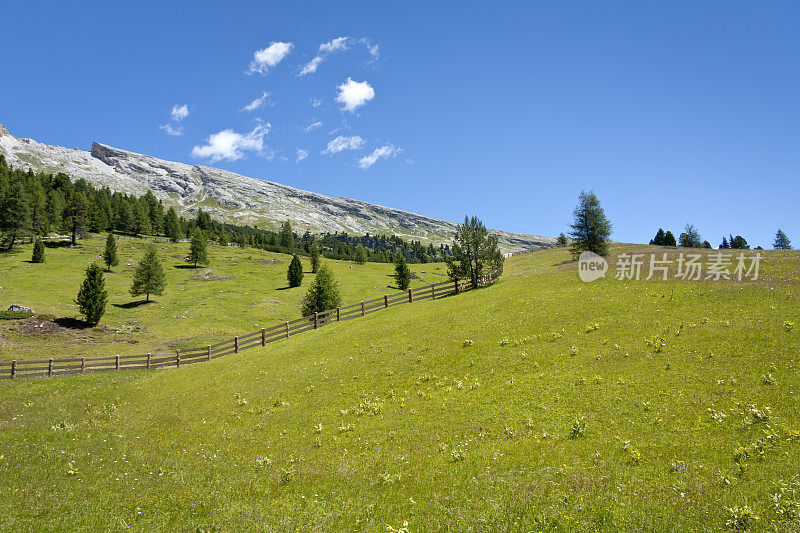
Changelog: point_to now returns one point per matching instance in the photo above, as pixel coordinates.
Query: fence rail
(284, 330)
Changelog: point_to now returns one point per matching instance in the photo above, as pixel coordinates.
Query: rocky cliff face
(233, 197)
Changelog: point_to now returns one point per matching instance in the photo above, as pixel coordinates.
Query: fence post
(13, 369)
(433, 291)
(287, 330)
(338, 314)
(263, 337)
(148, 361)
(385, 300)
(50, 367)
(209, 352)
(456, 282)
(177, 358)
(236, 344)
(316, 319)
(116, 362)
(410, 297)
(83, 365)
(362, 309)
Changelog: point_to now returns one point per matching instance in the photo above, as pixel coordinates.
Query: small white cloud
(313, 126)
(231, 145)
(268, 57)
(179, 112)
(384, 152)
(301, 154)
(371, 48)
(315, 102)
(257, 103)
(169, 130)
(354, 94)
(342, 143)
(325, 49)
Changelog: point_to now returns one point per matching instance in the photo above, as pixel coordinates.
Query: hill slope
(233, 197)
(538, 403)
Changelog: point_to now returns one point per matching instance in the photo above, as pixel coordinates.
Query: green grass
(240, 291)
(538, 403)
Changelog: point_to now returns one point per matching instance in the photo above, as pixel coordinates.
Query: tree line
(39, 204)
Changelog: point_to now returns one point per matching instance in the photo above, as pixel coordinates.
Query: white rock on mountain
(232, 197)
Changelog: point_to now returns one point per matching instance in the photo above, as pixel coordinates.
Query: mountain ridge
(233, 197)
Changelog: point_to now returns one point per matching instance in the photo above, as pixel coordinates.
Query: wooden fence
(285, 330)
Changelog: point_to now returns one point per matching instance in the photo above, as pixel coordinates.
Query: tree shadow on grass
(286, 288)
(72, 323)
(186, 266)
(132, 305)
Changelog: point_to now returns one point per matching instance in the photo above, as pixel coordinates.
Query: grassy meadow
(241, 290)
(539, 403)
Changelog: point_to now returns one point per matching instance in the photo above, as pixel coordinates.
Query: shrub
(92, 296)
(295, 273)
(14, 315)
(38, 252)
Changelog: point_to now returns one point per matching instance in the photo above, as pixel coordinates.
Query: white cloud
(268, 57)
(257, 103)
(179, 112)
(313, 126)
(169, 130)
(354, 94)
(384, 152)
(301, 154)
(315, 102)
(325, 49)
(371, 48)
(231, 145)
(341, 143)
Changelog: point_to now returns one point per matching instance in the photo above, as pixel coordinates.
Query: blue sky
(671, 112)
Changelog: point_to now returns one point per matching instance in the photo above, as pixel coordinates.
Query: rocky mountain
(232, 197)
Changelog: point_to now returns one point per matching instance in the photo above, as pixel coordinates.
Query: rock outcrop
(232, 197)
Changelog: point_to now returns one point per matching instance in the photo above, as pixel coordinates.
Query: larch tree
(590, 229)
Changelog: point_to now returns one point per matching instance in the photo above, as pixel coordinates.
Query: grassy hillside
(539, 403)
(240, 291)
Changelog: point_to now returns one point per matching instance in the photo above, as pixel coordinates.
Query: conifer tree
(402, 274)
(475, 253)
(198, 250)
(658, 240)
(295, 273)
(725, 245)
(15, 214)
(562, 239)
(110, 253)
(669, 239)
(172, 226)
(591, 229)
(360, 254)
(323, 294)
(149, 275)
(286, 236)
(314, 254)
(75, 214)
(782, 242)
(38, 251)
(690, 238)
(92, 295)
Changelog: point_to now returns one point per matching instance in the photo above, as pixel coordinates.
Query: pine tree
(739, 243)
(110, 253)
(314, 254)
(658, 240)
(286, 236)
(149, 275)
(402, 274)
(475, 253)
(562, 239)
(172, 226)
(38, 251)
(669, 239)
(15, 214)
(360, 254)
(75, 214)
(92, 295)
(198, 250)
(590, 229)
(782, 242)
(690, 238)
(725, 245)
(295, 273)
(323, 294)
